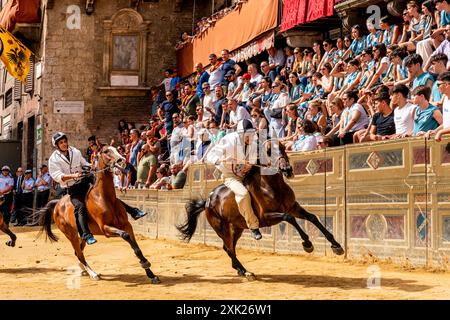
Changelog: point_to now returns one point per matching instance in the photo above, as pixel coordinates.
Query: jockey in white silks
(234, 155)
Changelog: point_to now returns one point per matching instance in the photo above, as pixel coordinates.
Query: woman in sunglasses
(259, 120)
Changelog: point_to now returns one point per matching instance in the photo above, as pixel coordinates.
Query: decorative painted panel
(357, 226)
(395, 227)
(313, 166)
(422, 228)
(446, 228)
(375, 160)
(419, 155)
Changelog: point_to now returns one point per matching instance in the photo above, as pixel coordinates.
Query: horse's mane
(253, 172)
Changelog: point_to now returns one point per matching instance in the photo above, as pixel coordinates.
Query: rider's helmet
(56, 137)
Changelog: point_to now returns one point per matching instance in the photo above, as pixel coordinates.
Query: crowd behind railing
(205, 23)
(386, 83)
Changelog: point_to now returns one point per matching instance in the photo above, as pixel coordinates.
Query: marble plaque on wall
(124, 81)
(68, 107)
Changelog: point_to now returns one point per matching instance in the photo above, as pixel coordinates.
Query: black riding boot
(134, 212)
(82, 221)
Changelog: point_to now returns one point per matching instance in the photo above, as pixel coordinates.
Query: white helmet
(58, 136)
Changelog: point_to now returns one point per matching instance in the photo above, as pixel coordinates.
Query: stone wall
(73, 65)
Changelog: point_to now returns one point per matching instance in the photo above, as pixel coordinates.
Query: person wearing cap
(28, 190)
(66, 168)
(234, 155)
(6, 188)
(43, 185)
(245, 88)
(233, 84)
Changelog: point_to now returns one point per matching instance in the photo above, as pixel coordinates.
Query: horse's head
(111, 158)
(280, 157)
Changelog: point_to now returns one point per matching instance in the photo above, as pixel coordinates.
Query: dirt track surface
(36, 269)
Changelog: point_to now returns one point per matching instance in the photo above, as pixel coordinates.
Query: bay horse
(106, 214)
(273, 201)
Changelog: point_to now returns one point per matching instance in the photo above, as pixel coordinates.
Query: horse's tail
(193, 210)
(45, 219)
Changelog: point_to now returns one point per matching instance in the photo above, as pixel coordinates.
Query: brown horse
(273, 202)
(106, 214)
(4, 227)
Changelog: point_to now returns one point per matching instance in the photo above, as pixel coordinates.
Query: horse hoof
(155, 280)
(250, 276)
(10, 243)
(337, 250)
(308, 247)
(95, 277)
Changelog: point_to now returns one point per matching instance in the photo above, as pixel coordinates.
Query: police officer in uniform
(6, 194)
(66, 168)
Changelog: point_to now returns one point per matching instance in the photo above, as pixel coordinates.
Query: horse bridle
(109, 167)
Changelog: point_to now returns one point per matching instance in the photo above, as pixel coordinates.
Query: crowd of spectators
(375, 84)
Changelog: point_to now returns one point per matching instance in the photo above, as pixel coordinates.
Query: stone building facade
(95, 64)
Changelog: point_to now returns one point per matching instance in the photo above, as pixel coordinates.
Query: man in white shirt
(208, 102)
(66, 167)
(276, 59)
(215, 72)
(403, 111)
(233, 155)
(444, 87)
(237, 113)
(255, 77)
(176, 138)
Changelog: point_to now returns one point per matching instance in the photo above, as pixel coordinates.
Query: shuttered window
(8, 98)
(30, 77)
(17, 90)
